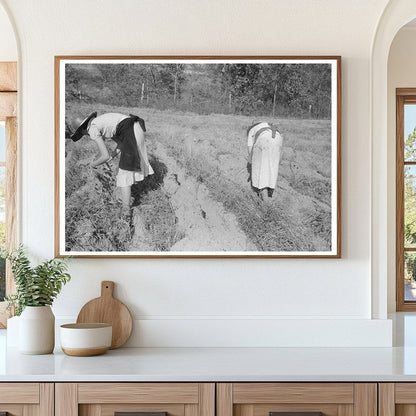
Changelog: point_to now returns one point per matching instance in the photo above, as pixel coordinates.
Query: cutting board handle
(107, 288)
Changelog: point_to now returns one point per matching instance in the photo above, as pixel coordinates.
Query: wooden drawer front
(397, 399)
(27, 399)
(105, 399)
(405, 393)
(138, 393)
(331, 399)
(293, 393)
(295, 408)
(19, 393)
(111, 409)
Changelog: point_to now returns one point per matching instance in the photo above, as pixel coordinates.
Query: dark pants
(126, 142)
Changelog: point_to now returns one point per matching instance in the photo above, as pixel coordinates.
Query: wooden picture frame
(206, 185)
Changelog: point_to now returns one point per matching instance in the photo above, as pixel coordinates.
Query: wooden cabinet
(397, 399)
(106, 399)
(27, 399)
(264, 399)
(208, 399)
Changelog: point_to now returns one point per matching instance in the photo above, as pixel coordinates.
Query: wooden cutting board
(108, 310)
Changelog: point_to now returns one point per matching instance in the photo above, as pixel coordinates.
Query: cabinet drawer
(397, 399)
(138, 393)
(297, 399)
(147, 399)
(21, 399)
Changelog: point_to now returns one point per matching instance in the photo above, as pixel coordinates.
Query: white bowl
(83, 340)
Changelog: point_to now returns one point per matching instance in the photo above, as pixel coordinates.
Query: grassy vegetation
(270, 226)
(159, 220)
(211, 149)
(94, 220)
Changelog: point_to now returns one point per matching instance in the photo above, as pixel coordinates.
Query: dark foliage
(295, 90)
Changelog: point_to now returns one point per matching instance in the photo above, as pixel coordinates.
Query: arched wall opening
(396, 15)
(401, 73)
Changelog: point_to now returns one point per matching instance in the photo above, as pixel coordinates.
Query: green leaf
(35, 286)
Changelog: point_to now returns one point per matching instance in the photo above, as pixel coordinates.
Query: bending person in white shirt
(128, 133)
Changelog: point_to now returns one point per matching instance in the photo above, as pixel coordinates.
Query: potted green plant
(36, 289)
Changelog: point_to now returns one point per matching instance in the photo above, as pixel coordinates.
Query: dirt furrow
(203, 222)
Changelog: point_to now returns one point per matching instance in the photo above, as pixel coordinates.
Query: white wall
(8, 47)
(201, 299)
(401, 74)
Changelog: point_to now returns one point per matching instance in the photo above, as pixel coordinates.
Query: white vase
(37, 330)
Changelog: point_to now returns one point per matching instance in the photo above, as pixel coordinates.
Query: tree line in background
(295, 90)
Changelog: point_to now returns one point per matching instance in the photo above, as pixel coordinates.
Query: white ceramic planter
(37, 330)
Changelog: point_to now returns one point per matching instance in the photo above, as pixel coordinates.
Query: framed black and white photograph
(198, 156)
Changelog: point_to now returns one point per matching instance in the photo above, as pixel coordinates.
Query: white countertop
(215, 364)
(221, 364)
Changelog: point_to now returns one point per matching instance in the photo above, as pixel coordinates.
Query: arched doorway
(396, 15)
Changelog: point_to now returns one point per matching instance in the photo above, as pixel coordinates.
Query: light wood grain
(11, 208)
(31, 410)
(191, 410)
(84, 352)
(138, 393)
(91, 410)
(111, 311)
(400, 304)
(293, 393)
(244, 410)
(171, 409)
(345, 410)
(403, 96)
(8, 76)
(405, 91)
(265, 409)
(47, 399)
(58, 249)
(224, 399)
(237, 409)
(19, 393)
(405, 393)
(405, 410)
(386, 399)
(110, 409)
(207, 399)
(8, 83)
(13, 409)
(11, 196)
(365, 399)
(66, 399)
(8, 105)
